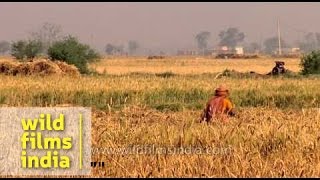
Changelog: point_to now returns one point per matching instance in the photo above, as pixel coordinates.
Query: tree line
(233, 37)
(50, 42)
(230, 37)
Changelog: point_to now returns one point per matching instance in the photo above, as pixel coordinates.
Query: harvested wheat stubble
(40, 67)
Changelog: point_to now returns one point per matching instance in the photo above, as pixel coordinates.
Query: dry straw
(40, 67)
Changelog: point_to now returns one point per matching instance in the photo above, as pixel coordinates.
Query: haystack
(68, 69)
(40, 67)
(8, 67)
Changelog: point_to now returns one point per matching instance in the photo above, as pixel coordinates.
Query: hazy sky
(159, 25)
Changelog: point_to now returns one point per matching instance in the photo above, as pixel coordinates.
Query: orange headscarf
(222, 91)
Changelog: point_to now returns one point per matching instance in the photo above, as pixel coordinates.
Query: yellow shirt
(227, 105)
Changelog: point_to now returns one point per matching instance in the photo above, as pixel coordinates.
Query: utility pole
(279, 38)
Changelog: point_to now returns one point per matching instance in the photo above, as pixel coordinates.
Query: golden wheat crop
(263, 142)
(190, 65)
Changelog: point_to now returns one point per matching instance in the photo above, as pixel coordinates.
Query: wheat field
(189, 65)
(274, 134)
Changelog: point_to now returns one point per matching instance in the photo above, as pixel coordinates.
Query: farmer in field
(219, 106)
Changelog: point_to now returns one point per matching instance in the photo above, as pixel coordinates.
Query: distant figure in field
(278, 69)
(219, 106)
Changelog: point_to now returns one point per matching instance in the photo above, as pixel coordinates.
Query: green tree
(33, 48)
(202, 39)
(311, 63)
(73, 52)
(26, 49)
(231, 37)
(18, 49)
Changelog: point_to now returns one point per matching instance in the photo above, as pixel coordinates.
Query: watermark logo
(45, 141)
(154, 150)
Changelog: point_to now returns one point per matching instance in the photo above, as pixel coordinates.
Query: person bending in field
(218, 106)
